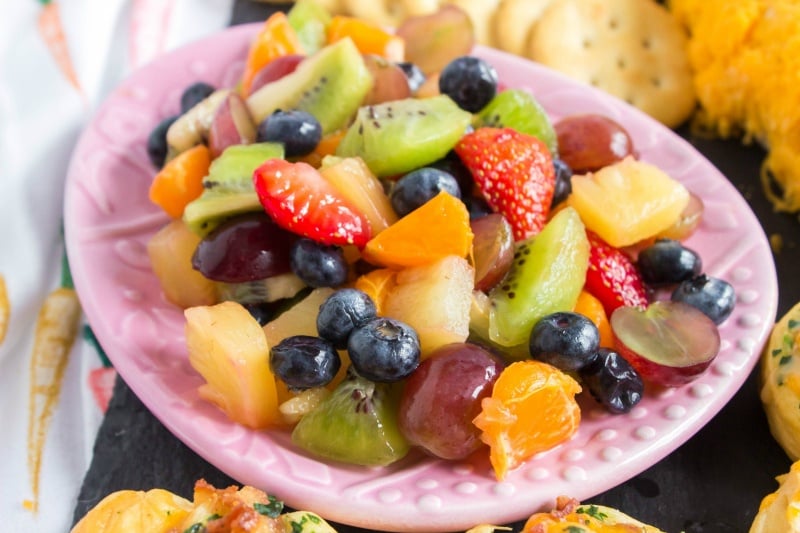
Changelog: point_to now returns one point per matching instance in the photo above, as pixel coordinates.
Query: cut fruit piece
(261, 291)
(435, 300)
(369, 38)
(309, 20)
(191, 128)
(592, 308)
(231, 125)
(437, 229)
(396, 137)
(646, 201)
(518, 109)
(532, 409)
(229, 349)
(377, 284)
(389, 81)
(180, 180)
(353, 179)
(480, 308)
(275, 39)
(170, 251)
(492, 249)
(326, 147)
(547, 275)
(330, 85)
(669, 343)
(228, 188)
(433, 40)
(356, 424)
(125, 511)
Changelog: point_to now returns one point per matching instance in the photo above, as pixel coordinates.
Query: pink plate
(109, 220)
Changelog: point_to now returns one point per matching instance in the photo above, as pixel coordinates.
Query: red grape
(590, 142)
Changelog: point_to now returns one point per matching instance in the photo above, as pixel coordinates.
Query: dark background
(712, 484)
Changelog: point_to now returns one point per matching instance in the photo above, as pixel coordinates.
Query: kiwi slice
(519, 110)
(310, 21)
(399, 136)
(330, 85)
(228, 189)
(547, 275)
(265, 290)
(356, 424)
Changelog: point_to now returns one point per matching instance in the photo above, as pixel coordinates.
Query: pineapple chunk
(170, 251)
(434, 299)
(628, 201)
(229, 349)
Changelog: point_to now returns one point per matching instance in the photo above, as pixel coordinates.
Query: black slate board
(712, 484)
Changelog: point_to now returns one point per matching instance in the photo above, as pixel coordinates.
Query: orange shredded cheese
(746, 61)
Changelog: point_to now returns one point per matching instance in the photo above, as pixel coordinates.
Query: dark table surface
(712, 484)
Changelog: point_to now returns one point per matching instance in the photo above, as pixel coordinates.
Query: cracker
(633, 49)
(481, 12)
(514, 21)
(390, 13)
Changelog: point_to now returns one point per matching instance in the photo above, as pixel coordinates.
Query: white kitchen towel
(58, 61)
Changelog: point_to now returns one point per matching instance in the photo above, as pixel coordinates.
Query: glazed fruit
(231, 125)
(275, 39)
(492, 250)
(384, 349)
(304, 362)
(547, 275)
(229, 349)
(369, 38)
(300, 200)
(298, 131)
(470, 81)
(433, 40)
(245, 248)
(612, 277)
(180, 181)
(518, 109)
(309, 19)
(414, 75)
(668, 261)
(612, 381)
(318, 265)
(276, 69)
(389, 81)
(397, 137)
(191, 127)
(194, 94)
(443, 395)
(646, 201)
(669, 343)
(157, 141)
(515, 174)
(568, 341)
(419, 186)
(589, 142)
(563, 186)
(344, 311)
(714, 297)
(531, 409)
(356, 424)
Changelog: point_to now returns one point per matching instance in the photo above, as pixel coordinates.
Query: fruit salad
(377, 251)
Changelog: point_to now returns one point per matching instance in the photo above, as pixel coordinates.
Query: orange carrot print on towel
(52, 32)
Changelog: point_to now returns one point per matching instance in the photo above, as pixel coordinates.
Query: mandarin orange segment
(532, 409)
(591, 308)
(277, 38)
(369, 38)
(181, 180)
(377, 284)
(437, 229)
(326, 146)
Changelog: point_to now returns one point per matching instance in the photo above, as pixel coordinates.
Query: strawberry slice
(514, 172)
(300, 200)
(612, 277)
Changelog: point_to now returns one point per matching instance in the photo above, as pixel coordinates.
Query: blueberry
(298, 131)
(453, 165)
(568, 341)
(194, 94)
(157, 142)
(476, 206)
(419, 186)
(341, 313)
(612, 381)
(304, 362)
(470, 81)
(384, 350)
(263, 312)
(713, 296)
(414, 74)
(563, 186)
(668, 261)
(318, 265)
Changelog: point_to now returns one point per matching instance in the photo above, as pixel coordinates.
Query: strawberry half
(514, 172)
(612, 277)
(300, 200)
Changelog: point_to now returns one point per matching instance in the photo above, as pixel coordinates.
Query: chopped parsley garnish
(195, 528)
(793, 323)
(593, 511)
(272, 509)
(574, 529)
(785, 360)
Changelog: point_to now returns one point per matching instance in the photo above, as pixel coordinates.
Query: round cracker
(633, 49)
(514, 21)
(481, 12)
(390, 13)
